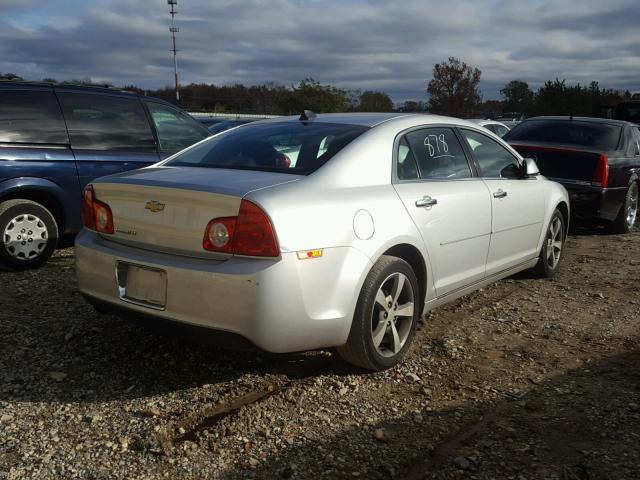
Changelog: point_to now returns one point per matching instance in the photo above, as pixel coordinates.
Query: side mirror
(513, 170)
(531, 167)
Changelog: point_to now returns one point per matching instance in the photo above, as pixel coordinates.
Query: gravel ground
(525, 379)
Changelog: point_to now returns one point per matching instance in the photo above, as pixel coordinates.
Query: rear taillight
(254, 233)
(96, 215)
(218, 236)
(250, 233)
(87, 208)
(601, 173)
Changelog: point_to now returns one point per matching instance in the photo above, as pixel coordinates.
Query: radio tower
(173, 29)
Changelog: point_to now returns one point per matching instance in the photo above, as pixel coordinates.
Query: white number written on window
(437, 146)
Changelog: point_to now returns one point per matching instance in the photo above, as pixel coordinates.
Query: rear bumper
(280, 305)
(593, 203)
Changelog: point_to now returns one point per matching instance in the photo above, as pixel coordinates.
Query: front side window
(176, 130)
(494, 161)
(288, 147)
(106, 122)
(438, 154)
(31, 116)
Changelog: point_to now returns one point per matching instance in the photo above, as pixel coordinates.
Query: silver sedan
(336, 230)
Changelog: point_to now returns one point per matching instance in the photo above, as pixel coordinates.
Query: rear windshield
(598, 136)
(299, 148)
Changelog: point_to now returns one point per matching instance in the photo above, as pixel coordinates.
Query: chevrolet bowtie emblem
(154, 206)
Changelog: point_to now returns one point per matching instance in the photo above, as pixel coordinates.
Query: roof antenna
(307, 116)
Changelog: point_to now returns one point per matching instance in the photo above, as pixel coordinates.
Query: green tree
(453, 90)
(410, 106)
(518, 97)
(311, 95)
(371, 101)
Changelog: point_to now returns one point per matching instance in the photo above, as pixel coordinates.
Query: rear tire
(552, 247)
(28, 234)
(386, 316)
(626, 220)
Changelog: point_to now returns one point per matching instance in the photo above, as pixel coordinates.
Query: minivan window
(596, 135)
(176, 130)
(106, 122)
(289, 147)
(31, 116)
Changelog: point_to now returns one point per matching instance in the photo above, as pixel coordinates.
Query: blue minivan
(54, 139)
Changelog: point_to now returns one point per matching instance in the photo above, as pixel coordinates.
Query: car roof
(373, 119)
(567, 118)
(484, 121)
(71, 87)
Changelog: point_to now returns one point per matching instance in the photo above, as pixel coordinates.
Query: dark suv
(54, 139)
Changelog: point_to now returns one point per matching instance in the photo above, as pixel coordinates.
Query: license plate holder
(142, 285)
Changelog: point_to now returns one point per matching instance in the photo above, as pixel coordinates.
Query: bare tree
(453, 90)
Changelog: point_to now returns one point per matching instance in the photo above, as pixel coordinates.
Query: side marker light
(307, 254)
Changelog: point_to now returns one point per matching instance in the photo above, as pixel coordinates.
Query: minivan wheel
(386, 316)
(552, 247)
(626, 220)
(28, 234)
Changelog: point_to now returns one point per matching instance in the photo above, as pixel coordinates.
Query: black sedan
(596, 159)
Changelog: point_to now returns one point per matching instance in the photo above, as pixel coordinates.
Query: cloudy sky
(366, 44)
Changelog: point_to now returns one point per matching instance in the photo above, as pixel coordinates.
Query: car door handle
(426, 201)
(499, 194)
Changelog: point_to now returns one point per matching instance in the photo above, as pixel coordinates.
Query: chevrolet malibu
(336, 230)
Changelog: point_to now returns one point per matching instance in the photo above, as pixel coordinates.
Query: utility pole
(173, 29)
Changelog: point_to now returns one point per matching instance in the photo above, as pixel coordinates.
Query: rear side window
(176, 130)
(106, 122)
(289, 147)
(493, 159)
(407, 168)
(438, 154)
(598, 136)
(31, 116)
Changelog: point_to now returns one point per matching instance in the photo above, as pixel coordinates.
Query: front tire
(626, 220)
(386, 316)
(28, 234)
(552, 247)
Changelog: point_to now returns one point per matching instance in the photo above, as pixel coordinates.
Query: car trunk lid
(167, 209)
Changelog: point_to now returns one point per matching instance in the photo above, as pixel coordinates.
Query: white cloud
(352, 44)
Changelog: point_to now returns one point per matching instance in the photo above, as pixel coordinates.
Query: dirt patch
(525, 379)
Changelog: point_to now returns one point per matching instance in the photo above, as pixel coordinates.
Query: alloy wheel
(632, 207)
(392, 315)
(554, 243)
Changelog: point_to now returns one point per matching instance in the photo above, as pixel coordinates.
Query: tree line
(453, 90)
